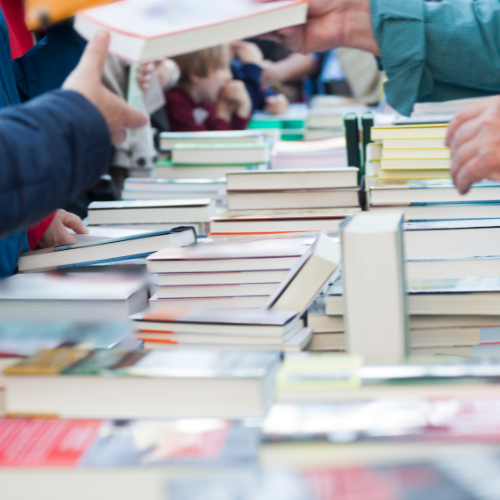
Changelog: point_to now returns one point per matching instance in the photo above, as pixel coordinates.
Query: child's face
(211, 85)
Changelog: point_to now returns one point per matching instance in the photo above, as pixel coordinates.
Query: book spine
(352, 143)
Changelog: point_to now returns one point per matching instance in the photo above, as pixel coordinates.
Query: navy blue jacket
(49, 150)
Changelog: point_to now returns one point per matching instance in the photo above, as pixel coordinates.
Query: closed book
(173, 185)
(409, 132)
(118, 245)
(231, 322)
(150, 211)
(170, 139)
(220, 154)
(75, 297)
(374, 280)
(415, 154)
(435, 163)
(122, 460)
(261, 255)
(174, 195)
(140, 384)
(280, 200)
(292, 180)
(166, 170)
(385, 192)
(233, 302)
(469, 296)
(293, 343)
(412, 174)
(279, 221)
(452, 239)
(222, 278)
(200, 291)
(146, 31)
(306, 280)
(325, 118)
(414, 143)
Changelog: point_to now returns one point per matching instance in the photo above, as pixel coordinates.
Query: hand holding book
(86, 80)
(331, 24)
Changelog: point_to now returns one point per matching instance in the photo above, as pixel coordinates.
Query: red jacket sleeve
(36, 232)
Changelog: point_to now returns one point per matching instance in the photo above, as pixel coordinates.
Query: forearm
(50, 150)
(424, 46)
(294, 68)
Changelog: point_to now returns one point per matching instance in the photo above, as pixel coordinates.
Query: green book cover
(98, 362)
(352, 142)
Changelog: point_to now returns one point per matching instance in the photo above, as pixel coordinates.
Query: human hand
(144, 75)
(331, 24)
(248, 53)
(86, 80)
(57, 234)
(168, 73)
(270, 72)
(277, 104)
(235, 93)
(474, 140)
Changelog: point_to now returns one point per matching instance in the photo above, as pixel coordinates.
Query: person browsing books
(59, 144)
(430, 51)
(206, 96)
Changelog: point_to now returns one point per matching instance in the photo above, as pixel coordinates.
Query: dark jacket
(49, 150)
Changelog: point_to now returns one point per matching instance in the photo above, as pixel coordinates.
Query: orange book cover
(40, 13)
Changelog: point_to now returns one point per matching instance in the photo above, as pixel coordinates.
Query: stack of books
(411, 152)
(170, 139)
(280, 201)
(457, 317)
(315, 154)
(436, 199)
(239, 276)
(153, 214)
(213, 160)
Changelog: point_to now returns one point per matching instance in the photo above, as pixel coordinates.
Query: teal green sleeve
(437, 50)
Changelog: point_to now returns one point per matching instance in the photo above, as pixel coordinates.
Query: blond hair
(202, 62)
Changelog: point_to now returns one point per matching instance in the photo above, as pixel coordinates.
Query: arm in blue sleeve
(45, 67)
(250, 75)
(50, 150)
(437, 50)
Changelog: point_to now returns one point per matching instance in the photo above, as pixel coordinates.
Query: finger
(466, 132)
(74, 222)
(94, 56)
(462, 155)
(129, 117)
(467, 175)
(464, 115)
(118, 136)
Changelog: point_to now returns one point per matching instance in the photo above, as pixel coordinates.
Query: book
(150, 211)
(221, 278)
(74, 297)
(415, 164)
(414, 143)
(411, 174)
(325, 118)
(351, 125)
(376, 314)
(176, 195)
(278, 221)
(281, 200)
(175, 185)
(240, 322)
(468, 296)
(252, 256)
(170, 139)
(416, 154)
(112, 383)
(309, 276)
(409, 132)
(124, 459)
(293, 344)
(446, 211)
(234, 302)
(221, 154)
(117, 246)
(443, 269)
(152, 30)
(170, 171)
(452, 239)
(387, 192)
(292, 180)
(201, 291)
(25, 337)
(311, 154)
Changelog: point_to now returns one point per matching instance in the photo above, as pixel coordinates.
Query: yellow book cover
(409, 174)
(40, 13)
(47, 362)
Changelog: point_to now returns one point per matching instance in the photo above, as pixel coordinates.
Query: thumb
(94, 56)
(74, 222)
(128, 116)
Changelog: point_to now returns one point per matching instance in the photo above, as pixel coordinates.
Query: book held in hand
(148, 30)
